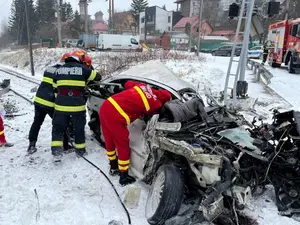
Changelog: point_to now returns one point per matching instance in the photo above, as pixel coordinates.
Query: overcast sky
(94, 6)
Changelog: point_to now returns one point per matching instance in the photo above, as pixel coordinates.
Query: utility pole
(112, 13)
(287, 6)
(110, 17)
(244, 53)
(58, 12)
(86, 24)
(29, 37)
(146, 17)
(199, 25)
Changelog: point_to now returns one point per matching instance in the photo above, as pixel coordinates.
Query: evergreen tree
(164, 7)
(76, 27)
(67, 12)
(45, 10)
(138, 6)
(17, 21)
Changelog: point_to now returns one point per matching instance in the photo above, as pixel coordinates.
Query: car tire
(228, 54)
(213, 53)
(291, 68)
(168, 187)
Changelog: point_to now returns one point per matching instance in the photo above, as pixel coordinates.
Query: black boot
(31, 148)
(67, 147)
(8, 144)
(114, 170)
(125, 179)
(81, 152)
(57, 153)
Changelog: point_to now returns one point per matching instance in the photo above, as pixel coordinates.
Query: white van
(118, 42)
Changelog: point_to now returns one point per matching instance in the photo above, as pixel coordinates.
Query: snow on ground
(211, 73)
(76, 193)
(19, 60)
(286, 85)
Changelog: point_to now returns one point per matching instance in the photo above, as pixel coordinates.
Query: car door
(220, 51)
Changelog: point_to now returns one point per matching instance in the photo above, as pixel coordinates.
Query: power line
(3, 4)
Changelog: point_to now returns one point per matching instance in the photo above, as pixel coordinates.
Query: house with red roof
(99, 26)
(225, 33)
(206, 29)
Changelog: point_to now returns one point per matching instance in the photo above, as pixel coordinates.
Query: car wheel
(228, 54)
(291, 68)
(213, 53)
(95, 127)
(166, 195)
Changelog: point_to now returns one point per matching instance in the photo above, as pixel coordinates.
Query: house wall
(194, 7)
(160, 20)
(177, 16)
(185, 8)
(163, 20)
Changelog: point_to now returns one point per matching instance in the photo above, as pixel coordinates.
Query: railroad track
(20, 85)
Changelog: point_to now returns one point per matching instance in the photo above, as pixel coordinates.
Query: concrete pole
(110, 16)
(86, 24)
(287, 9)
(112, 13)
(58, 12)
(145, 26)
(199, 25)
(29, 37)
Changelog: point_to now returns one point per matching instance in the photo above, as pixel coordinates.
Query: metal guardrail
(264, 77)
(262, 74)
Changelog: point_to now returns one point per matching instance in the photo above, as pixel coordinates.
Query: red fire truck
(285, 39)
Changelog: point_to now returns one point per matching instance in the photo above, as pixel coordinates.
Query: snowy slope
(76, 193)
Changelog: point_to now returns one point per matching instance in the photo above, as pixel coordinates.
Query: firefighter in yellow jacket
(71, 79)
(44, 105)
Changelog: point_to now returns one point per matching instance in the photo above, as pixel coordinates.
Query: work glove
(3, 113)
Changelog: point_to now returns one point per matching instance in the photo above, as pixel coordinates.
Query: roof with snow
(179, 1)
(180, 36)
(100, 26)
(222, 32)
(215, 38)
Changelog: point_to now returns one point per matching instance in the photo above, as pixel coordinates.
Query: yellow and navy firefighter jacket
(45, 94)
(71, 79)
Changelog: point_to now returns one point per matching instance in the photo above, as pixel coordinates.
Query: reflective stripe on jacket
(137, 100)
(45, 94)
(70, 77)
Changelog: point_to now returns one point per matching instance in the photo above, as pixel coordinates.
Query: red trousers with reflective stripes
(2, 136)
(116, 135)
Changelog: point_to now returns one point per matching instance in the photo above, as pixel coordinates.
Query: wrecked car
(207, 152)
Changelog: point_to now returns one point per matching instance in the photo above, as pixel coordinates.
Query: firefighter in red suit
(3, 142)
(117, 112)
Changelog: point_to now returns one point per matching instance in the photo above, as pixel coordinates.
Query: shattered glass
(239, 136)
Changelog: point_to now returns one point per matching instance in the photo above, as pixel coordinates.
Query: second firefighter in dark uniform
(71, 79)
(44, 105)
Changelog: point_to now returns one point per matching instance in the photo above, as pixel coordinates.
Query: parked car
(226, 51)
(255, 52)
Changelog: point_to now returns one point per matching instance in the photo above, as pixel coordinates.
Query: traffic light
(233, 10)
(273, 8)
